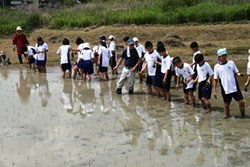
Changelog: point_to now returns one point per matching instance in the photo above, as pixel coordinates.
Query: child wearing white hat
(226, 71)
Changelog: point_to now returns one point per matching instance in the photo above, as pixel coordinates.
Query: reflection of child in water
(4, 60)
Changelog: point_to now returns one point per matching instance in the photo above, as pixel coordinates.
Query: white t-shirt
(105, 52)
(43, 47)
(31, 51)
(166, 64)
(197, 52)
(203, 71)
(226, 72)
(248, 66)
(80, 48)
(87, 54)
(112, 47)
(186, 71)
(150, 58)
(63, 52)
(140, 49)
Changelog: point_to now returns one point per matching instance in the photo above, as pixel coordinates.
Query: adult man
(132, 60)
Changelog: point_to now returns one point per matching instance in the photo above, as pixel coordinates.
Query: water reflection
(23, 89)
(67, 95)
(43, 89)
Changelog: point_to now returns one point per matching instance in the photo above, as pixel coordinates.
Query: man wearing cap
(226, 71)
(19, 40)
(4, 60)
(132, 60)
(141, 51)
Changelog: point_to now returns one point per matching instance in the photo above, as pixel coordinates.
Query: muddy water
(48, 121)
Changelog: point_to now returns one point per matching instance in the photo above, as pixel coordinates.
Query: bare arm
(138, 62)
(144, 67)
(215, 85)
(118, 63)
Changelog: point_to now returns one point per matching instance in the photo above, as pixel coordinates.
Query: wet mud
(49, 121)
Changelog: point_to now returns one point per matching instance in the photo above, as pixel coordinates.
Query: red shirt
(19, 41)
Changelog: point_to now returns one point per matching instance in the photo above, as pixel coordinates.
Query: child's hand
(176, 87)
(194, 81)
(208, 82)
(240, 74)
(164, 82)
(215, 95)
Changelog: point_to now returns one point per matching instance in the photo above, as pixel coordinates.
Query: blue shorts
(151, 80)
(227, 98)
(66, 67)
(40, 62)
(139, 67)
(80, 64)
(103, 69)
(204, 91)
(88, 67)
(160, 84)
(31, 59)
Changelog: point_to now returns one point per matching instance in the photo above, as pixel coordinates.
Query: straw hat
(2, 53)
(19, 28)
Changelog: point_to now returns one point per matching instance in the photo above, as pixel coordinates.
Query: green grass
(166, 12)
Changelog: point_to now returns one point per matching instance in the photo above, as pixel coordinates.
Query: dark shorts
(66, 67)
(31, 59)
(151, 80)
(160, 84)
(88, 67)
(190, 89)
(139, 67)
(112, 61)
(103, 69)
(204, 91)
(227, 98)
(80, 64)
(40, 62)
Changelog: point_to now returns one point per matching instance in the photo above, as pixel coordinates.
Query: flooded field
(48, 121)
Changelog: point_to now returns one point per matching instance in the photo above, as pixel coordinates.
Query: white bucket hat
(86, 45)
(19, 28)
(111, 37)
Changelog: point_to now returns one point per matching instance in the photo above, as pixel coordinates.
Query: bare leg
(63, 74)
(70, 73)
(191, 94)
(168, 95)
(149, 88)
(75, 72)
(242, 108)
(140, 77)
(207, 104)
(226, 110)
(186, 100)
(107, 76)
(89, 77)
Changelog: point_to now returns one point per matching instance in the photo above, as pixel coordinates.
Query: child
(87, 57)
(194, 46)
(79, 63)
(4, 60)
(248, 71)
(103, 60)
(30, 54)
(204, 76)
(141, 51)
(113, 59)
(151, 57)
(41, 50)
(187, 73)
(64, 52)
(165, 75)
(225, 71)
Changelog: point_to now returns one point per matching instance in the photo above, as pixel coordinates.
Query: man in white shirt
(226, 71)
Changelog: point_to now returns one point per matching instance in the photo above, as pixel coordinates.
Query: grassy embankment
(158, 19)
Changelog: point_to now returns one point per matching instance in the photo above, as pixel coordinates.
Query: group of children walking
(159, 67)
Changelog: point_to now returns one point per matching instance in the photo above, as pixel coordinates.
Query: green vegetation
(96, 12)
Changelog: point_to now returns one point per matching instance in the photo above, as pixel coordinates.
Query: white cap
(111, 37)
(86, 45)
(222, 51)
(135, 39)
(249, 51)
(19, 28)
